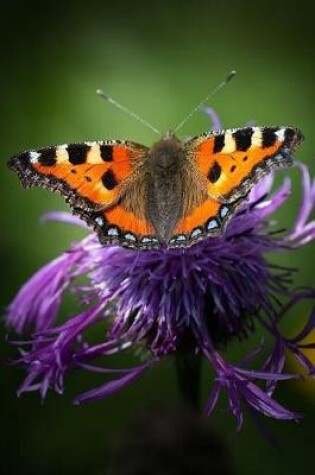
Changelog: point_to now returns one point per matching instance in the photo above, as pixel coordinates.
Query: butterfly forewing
(234, 160)
(89, 173)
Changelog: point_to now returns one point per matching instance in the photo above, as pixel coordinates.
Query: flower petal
(64, 217)
(111, 387)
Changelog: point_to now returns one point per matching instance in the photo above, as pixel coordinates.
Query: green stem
(188, 369)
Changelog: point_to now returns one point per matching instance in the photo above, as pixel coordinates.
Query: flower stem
(188, 369)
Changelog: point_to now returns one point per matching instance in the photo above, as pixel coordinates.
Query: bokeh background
(159, 58)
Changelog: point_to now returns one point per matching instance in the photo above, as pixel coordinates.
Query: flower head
(167, 300)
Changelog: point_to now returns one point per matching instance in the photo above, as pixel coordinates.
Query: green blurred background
(159, 58)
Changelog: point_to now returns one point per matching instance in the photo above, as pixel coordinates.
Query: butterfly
(173, 194)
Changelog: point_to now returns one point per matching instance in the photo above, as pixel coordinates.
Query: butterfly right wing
(228, 164)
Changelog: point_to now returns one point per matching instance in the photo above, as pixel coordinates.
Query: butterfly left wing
(93, 177)
(228, 164)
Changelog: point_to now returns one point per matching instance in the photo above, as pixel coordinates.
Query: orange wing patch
(115, 225)
(198, 217)
(233, 161)
(208, 219)
(127, 221)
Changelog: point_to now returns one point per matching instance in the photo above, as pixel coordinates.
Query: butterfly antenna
(205, 100)
(126, 110)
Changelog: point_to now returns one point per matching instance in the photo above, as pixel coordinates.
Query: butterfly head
(166, 155)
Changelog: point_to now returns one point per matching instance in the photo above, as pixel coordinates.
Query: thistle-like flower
(166, 301)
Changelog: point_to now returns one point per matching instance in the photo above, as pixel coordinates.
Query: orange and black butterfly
(174, 193)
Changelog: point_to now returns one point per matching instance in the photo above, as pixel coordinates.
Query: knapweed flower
(169, 300)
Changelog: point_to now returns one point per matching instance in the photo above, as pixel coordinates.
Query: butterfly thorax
(165, 167)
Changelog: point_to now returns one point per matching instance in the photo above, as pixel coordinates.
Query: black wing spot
(245, 158)
(78, 153)
(289, 135)
(233, 168)
(23, 157)
(243, 139)
(109, 180)
(88, 179)
(218, 143)
(214, 173)
(73, 170)
(19, 162)
(47, 156)
(107, 153)
(269, 136)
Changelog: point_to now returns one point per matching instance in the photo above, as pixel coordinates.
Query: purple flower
(164, 301)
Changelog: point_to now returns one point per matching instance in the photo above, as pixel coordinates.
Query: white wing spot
(34, 157)
(256, 137)
(130, 237)
(213, 224)
(113, 232)
(146, 239)
(196, 232)
(99, 220)
(224, 211)
(280, 134)
(229, 144)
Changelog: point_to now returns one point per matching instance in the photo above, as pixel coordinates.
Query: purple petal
(276, 200)
(214, 118)
(112, 387)
(307, 202)
(48, 360)
(38, 301)
(262, 188)
(260, 401)
(304, 232)
(265, 375)
(64, 217)
(213, 399)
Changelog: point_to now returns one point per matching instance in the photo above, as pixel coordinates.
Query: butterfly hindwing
(117, 225)
(234, 160)
(209, 219)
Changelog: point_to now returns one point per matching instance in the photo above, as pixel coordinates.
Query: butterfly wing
(231, 162)
(228, 165)
(93, 177)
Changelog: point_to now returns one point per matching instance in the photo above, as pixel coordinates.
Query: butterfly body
(168, 170)
(173, 194)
